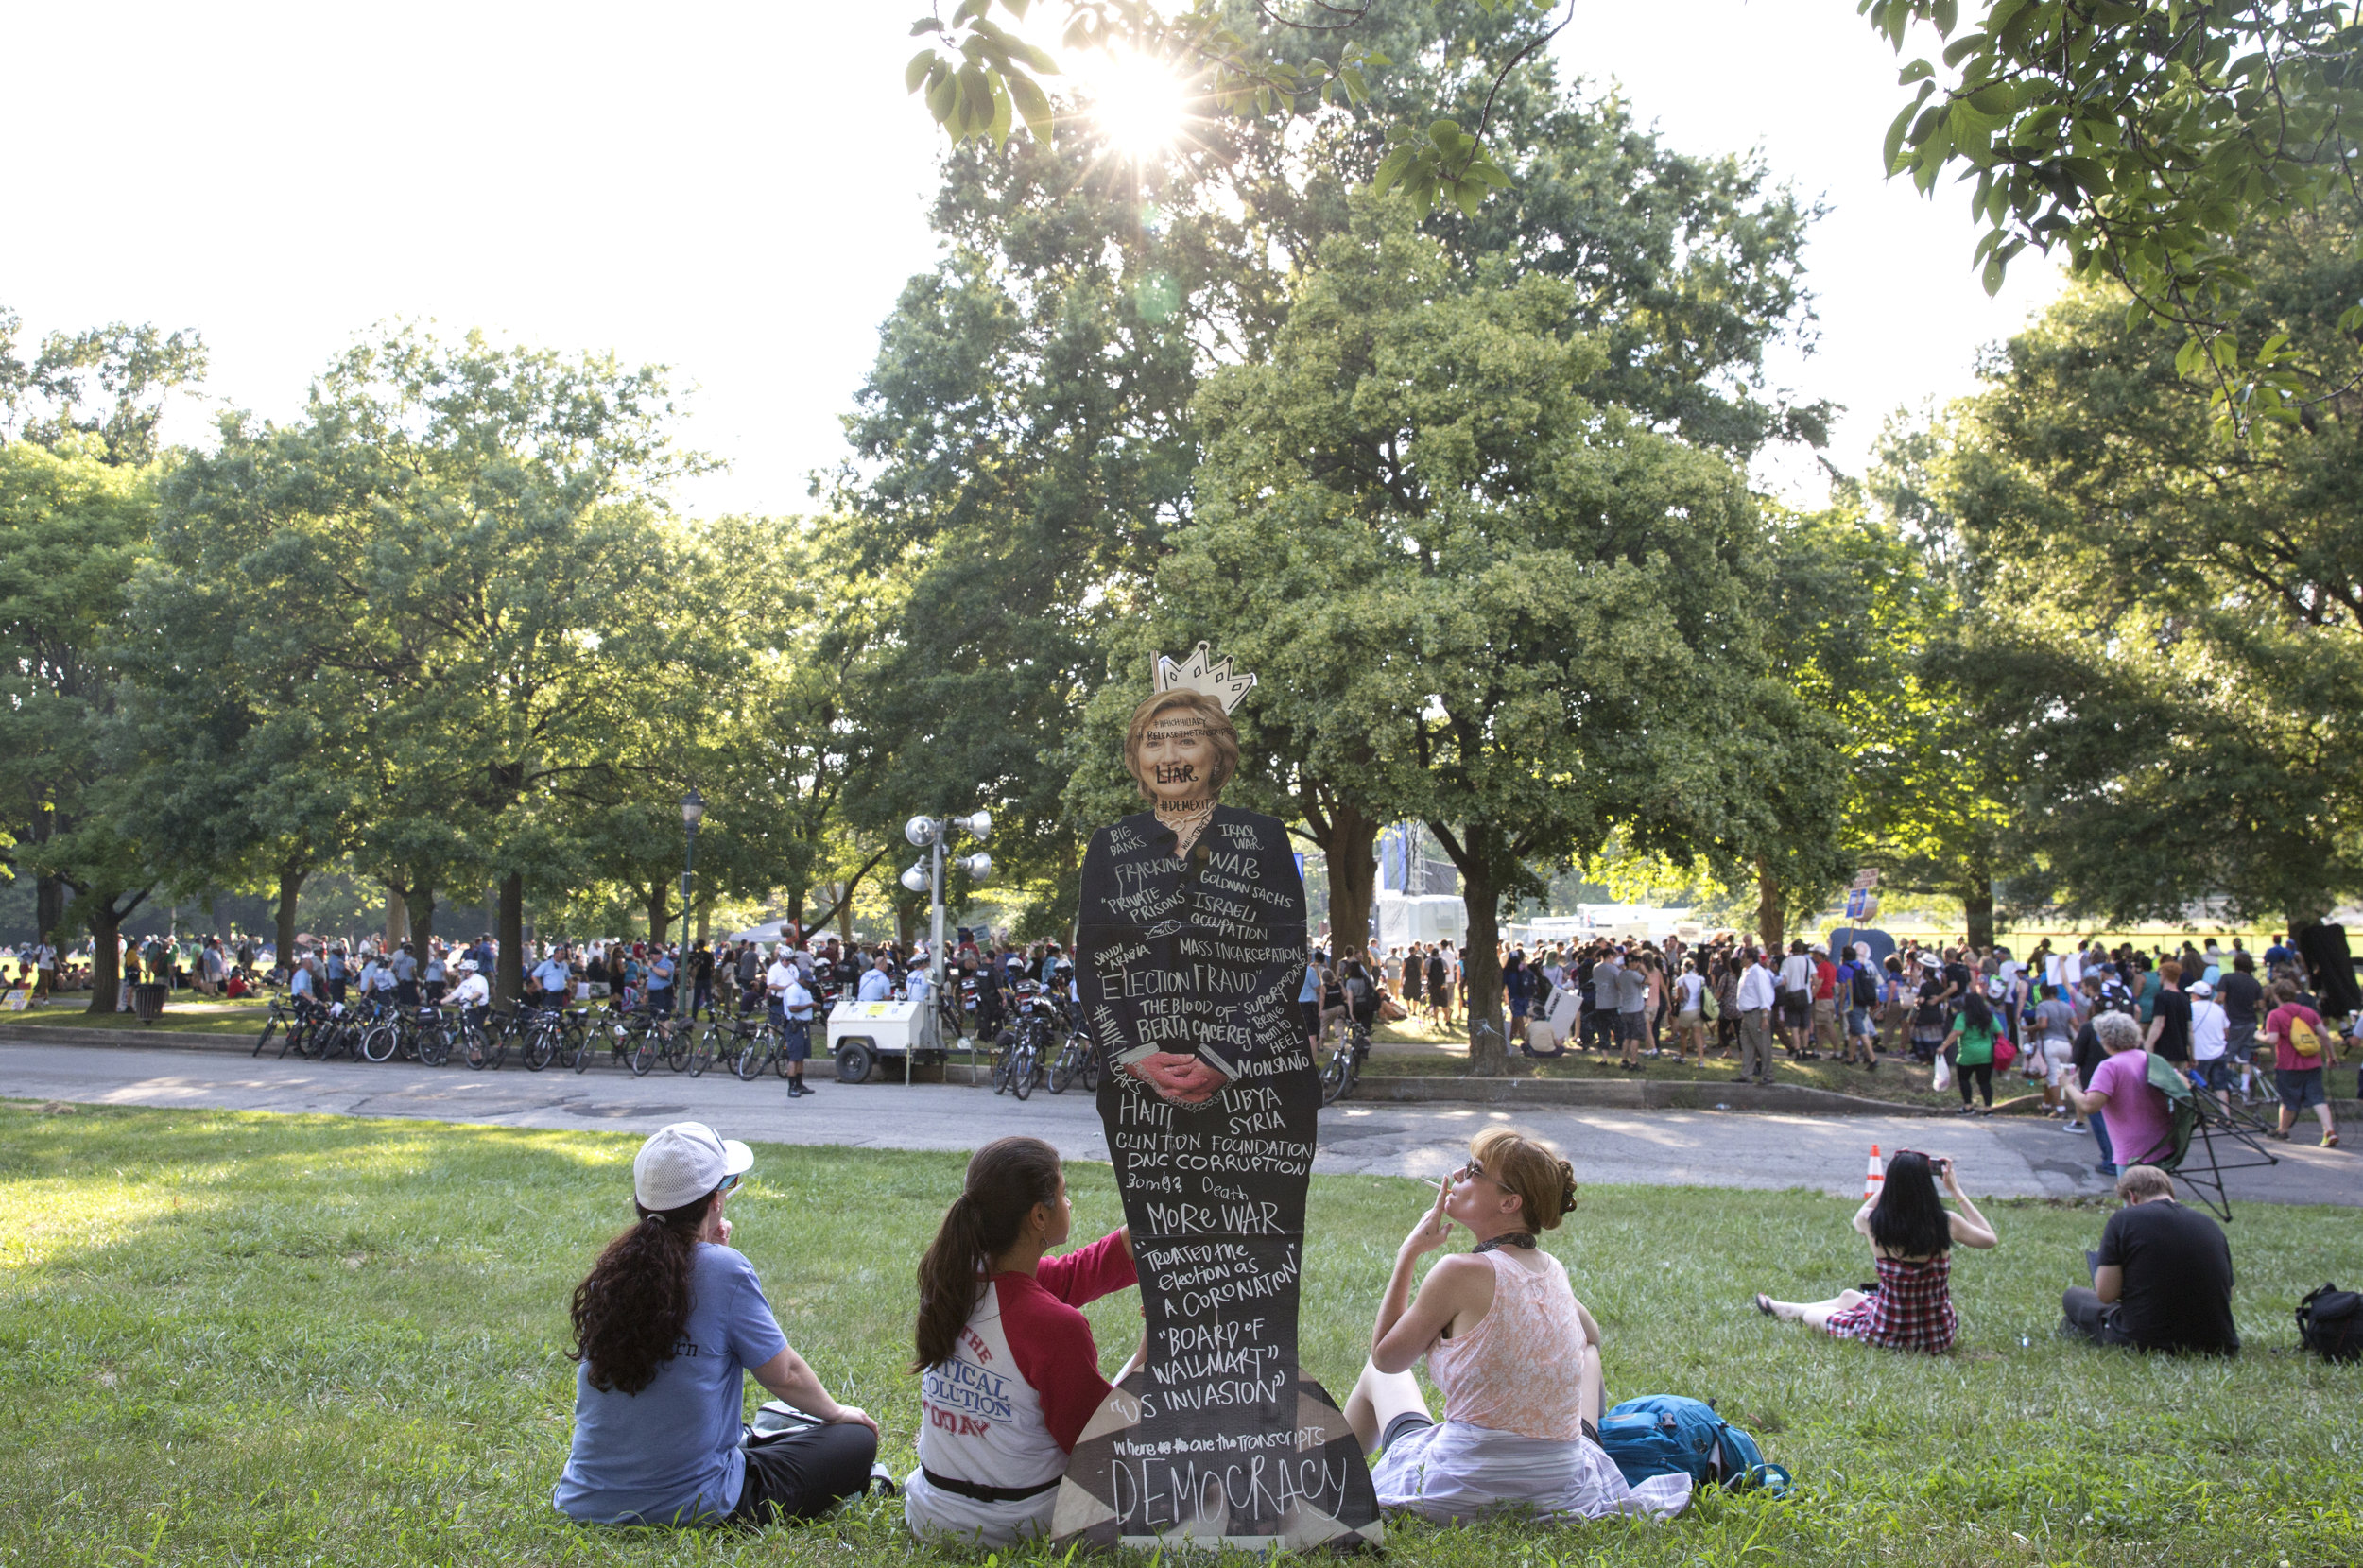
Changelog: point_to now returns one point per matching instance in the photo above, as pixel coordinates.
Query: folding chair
(2198, 1122)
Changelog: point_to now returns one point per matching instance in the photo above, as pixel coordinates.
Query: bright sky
(739, 191)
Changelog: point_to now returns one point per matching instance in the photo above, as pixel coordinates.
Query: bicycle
(1343, 1069)
(636, 1036)
(431, 1037)
(758, 1046)
(1079, 1059)
(487, 1043)
(542, 1032)
(294, 1019)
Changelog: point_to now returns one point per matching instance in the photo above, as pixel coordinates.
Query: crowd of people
(2244, 1027)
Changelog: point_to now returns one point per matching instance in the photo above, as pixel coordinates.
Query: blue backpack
(1666, 1433)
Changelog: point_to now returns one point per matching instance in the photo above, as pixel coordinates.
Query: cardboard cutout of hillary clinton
(1189, 953)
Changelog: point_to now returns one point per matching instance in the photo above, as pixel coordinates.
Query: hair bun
(1567, 1188)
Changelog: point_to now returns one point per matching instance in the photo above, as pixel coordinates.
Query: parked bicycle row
(1045, 1045)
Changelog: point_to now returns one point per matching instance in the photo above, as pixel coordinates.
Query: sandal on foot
(1763, 1304)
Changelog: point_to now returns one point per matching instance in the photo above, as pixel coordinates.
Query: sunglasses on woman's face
(730, 1183)
(1476, 1172)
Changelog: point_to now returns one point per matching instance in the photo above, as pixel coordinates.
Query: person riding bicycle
(472, 996)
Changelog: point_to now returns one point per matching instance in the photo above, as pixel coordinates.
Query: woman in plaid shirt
(1912, 1235)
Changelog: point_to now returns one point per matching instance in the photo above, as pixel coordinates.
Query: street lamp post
(926, 876)
(693, 811)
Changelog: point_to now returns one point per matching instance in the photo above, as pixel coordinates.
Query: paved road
(2005, 1157)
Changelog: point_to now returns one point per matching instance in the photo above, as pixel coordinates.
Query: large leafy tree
(73, 528)
(460, 544)
(2172, 642)
(1027, 443)
(2142, 139)
(1509, 612)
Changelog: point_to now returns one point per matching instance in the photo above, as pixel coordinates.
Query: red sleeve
(1055, 1354)
(1088, 1273)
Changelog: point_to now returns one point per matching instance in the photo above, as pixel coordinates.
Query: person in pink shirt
(2141, 1126)
(2297, 1073)
(1008, 1370)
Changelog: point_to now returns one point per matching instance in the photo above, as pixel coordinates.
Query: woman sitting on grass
(1009, 1372)
(1517, 1356)
(1911, 1239)
(665, 1324)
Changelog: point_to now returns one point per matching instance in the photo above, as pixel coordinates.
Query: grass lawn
(186, 1013)
(234, 1339)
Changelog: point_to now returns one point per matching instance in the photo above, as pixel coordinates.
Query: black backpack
(1866, 988)
(2330, 1323)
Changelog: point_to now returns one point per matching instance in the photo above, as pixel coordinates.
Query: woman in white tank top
(1516, 1355)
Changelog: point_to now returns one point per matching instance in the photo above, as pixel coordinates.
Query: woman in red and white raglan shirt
(1008, 1371)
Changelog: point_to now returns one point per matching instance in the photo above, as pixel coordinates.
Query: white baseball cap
(2201, 988)
(682, 1163)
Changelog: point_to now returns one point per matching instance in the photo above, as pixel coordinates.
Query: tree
(460, 543)
(1028, 438)
(2156, 144)
(1509, 612)
(2173, 630)
(73, 527)
(110, 382)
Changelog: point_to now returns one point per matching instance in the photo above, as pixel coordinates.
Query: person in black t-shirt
(2162, 1280)
(2243, 998)
(2170, 1023)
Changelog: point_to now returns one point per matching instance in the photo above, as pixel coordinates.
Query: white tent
(1405, 918)
(768, 932)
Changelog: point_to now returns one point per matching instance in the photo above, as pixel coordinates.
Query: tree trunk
(397, 917)
(1480, 959)
(1771, 921)
(49, 910)
(418, 907)
(845, 910)
(509, 981)
(105, 960)
(1978, 903)
(1352, 877)
(705, 917)
(660, 909)
(291, 874)
(906, 925)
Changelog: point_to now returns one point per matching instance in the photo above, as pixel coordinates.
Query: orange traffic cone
(1875, 1178)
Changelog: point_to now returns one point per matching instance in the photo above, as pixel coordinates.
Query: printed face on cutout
(1177, 759)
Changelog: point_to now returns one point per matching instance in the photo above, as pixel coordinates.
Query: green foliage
(271, 1340)
(2172, 646)
(110, 382)
(73, 528)
(2149, 140)
(975, 72)
(1493, 605)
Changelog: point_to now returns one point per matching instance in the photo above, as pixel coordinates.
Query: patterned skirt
(1912, 1309)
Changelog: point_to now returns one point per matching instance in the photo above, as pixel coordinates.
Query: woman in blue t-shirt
(664, 1326)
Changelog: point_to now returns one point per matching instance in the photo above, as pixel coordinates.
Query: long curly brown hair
(1006, 1178)
(629, 1310)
